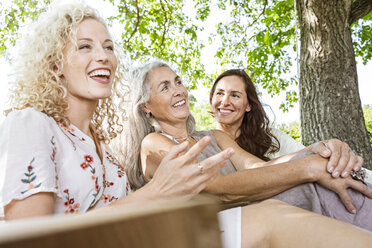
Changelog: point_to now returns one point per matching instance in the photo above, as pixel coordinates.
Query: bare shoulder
(224, 140)
(219, 134)
(156, 141)
(153, 149)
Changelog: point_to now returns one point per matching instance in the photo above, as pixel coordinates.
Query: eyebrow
(89, 39)
(233, 91)
(167, 81)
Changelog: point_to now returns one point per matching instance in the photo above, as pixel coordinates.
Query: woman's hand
(341, 158)
(337, 185)
(180, 176)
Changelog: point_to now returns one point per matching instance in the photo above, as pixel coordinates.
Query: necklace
(176, 140)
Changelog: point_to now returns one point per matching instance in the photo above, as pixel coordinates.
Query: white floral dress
(39, 155)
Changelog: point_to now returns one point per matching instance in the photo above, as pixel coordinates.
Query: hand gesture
(183, 176)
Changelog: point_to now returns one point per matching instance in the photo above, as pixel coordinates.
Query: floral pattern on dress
(128, 189)
(30, 177)
(71, 131)
(108, 184)
(70, 204)
(42, 150)
(53, 158)
(54, 151)
(112, 160)
(88, 160)
(108, 198)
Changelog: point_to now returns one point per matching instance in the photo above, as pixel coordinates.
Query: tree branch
(254, 21)
(138, 19)
(165, 29)
(359, 9)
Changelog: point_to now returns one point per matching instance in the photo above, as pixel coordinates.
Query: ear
(58, 69)
(248, 108)
(145, 108)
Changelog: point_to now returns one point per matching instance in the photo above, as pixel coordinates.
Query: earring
(148, 115)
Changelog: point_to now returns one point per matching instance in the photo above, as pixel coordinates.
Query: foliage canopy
(259, 36)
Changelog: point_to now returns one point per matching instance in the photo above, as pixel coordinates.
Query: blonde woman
(54, 157)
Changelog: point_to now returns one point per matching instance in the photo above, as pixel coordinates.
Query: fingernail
(335, 174)
(326, 152)
(353, 211)
(344, 174)
(356, 168)
(230, 151)
(330, 169)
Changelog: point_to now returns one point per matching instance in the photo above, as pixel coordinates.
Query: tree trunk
(329, 96)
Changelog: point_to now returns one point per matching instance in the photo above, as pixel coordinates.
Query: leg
(318, 199)
(275, 224)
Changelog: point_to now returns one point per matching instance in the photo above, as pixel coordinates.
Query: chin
(225, 121)
(104, 95)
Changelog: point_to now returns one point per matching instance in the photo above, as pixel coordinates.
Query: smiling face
(88, 73)
(230, 102)
(168, 96)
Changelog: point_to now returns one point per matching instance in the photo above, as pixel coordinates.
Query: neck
(80, 115)
(177, 131)
(232, 130)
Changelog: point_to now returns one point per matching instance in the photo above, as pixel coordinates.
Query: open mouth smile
(100, 75)
(178, 104)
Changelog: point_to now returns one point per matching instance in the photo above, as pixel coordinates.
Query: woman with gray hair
(138, 124)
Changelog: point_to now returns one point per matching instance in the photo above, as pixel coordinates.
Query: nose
(100, 54)
(178, 91)
(225, 100)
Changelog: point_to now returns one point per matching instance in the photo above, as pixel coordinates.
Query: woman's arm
(265, 181)
(341, 161)
(251, 185)
(39, 204)
(178, 174)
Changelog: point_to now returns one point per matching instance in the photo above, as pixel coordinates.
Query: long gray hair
(138, 125)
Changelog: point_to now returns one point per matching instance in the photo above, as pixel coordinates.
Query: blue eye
(164, 88)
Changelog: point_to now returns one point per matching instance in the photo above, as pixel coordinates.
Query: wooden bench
(173, 224)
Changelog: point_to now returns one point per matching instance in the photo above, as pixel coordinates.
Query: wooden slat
(164, 224)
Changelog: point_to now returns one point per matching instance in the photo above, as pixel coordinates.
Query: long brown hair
(255, 134)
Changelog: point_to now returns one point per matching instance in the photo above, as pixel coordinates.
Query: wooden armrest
(178, 223)
(229, 205)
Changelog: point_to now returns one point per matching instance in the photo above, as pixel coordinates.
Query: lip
(101, 80)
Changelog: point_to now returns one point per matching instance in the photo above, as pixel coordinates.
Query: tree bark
(329, 95)
(360, 8)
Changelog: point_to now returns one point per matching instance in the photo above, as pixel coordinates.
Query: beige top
(211, 150)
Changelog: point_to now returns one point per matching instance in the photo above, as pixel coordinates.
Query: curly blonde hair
(40, 59)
